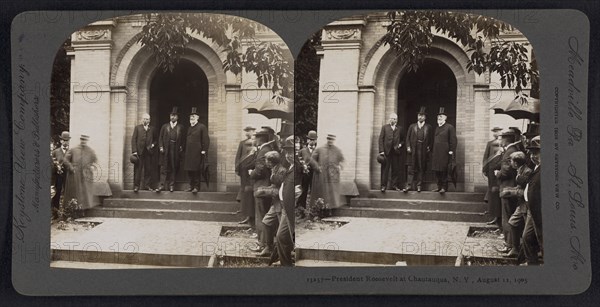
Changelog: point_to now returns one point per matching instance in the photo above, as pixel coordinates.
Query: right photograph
(417, 135)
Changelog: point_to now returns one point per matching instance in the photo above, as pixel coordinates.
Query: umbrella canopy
(519, 108)
(276, 107)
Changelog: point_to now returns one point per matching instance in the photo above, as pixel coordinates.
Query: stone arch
(382, 70)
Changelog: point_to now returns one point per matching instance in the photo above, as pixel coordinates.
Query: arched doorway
(433, 86)
(184, 87)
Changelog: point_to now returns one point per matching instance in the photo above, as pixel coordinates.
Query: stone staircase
(178, 205)
(426, 205)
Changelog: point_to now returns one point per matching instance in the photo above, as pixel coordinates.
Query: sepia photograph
(418, 138)
(172, 144)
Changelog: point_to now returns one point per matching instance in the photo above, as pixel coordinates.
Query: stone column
(91, 94)
(338, 93)
(366, 105)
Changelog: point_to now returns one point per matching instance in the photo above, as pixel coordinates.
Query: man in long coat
(305, 155)
(60, 175)
(244, 159)
(491, 157)
(533, 240)
(284, 240)
(327, 162)
(444, 147)
(196, 147)
(143, 142)
(391, 139)
(261, 174)
(79, 161)
(419, 142)
(171, 143)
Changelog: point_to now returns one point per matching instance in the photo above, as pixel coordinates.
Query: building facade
(115, 80)
(362, 81)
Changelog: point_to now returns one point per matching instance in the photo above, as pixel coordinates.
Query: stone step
(442, 205)
(163, 214)
(170, 204)
(427, 195)
(115, 257)
(312, 257)
(179, 195)
(436, 215)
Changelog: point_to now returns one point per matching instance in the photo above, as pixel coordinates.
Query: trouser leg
(285, 242)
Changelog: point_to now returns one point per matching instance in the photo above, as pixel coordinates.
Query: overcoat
(197, 141)
(411, 142)
(79, 162)
(444, 141)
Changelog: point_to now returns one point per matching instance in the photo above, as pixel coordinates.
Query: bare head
(393, 119)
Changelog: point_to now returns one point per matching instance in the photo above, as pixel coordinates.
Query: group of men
(173, 143)
(421, 144)
(72, 174)
(511, 164)
(266, 166)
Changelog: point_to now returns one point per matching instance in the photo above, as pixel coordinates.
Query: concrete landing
(384, 241)
(146, 242)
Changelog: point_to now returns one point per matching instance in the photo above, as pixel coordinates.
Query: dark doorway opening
(433, 86)
(185, 87)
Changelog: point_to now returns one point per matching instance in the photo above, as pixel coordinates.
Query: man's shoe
(397, 189)
(418, 189)
(257, 248)
(160, 189)
(493, 222)
(512, 254)
(442, 191)
(189, 189)
(244, 221)
(171, 189)
(382, 189)
(503, 249)
(435, 190)
(265, 252)
(135, 189)
(405, 190)
(195, 190)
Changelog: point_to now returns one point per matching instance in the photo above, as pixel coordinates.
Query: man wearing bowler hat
(58, 157)
(391, 140)
(196, 147)
(491, 157)
(171, 143)
(418, 145)
(444, 147)
(143, 143)
(305, 155)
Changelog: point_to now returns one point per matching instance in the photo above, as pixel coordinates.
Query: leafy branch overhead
(410, 34)
(167, 36)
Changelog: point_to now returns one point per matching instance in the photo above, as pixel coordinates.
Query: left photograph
(172, 144)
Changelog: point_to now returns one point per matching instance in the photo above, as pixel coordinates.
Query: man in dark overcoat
(491, 157)
(391, 140)
(261, 175)
(244, 158)
(444, 147)
(305, 155)
(419, 141)
(171, 143)
(60, 174)
(533, 240)
(143, 142)
(196, 147)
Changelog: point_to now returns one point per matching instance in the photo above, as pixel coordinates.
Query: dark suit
(285, 232)
(444, 141)
(197, 141)
(506, 179)
(60, 176)
(143, 143)
(419, 142)
(490, 160)
(533, 240)
(171, 140)
(261, 175)
(306, 181)
(390, 141)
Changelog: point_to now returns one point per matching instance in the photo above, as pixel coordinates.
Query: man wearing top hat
(58, 157)
(391, 140)
(444, 147)
(261, 174)
(196, 147)
(170, 144)
(143, 143)
(419, 142)
(304, 156)
(244, 158)
(491, 157)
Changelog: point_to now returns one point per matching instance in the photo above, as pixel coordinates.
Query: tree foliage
(307, 86)
(60, 91)
(167, 36)
(410, 34)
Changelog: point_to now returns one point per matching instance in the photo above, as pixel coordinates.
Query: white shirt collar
(421, 124)
(173, 124)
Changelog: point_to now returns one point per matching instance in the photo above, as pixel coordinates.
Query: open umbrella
(519, 108)
(275, 107)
